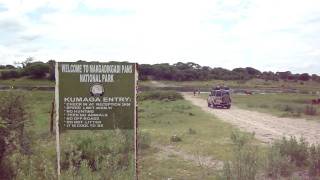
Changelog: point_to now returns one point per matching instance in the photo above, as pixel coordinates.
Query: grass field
(308, 86)
(292, 105)
(208, 137)
(281, 104)
(27, 82)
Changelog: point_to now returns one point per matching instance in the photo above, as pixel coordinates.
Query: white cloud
(271, 35)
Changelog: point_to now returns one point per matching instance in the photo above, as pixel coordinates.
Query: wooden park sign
(96, 95)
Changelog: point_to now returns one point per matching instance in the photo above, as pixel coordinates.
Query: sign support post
(57, 120)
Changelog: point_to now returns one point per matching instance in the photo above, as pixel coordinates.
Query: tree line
(176, 72)
(191, 71)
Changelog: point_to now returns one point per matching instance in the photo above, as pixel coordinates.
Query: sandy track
(266, 127)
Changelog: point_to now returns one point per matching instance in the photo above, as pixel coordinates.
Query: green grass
(161, 120)
(4, 70)
(250, 84)
(27, 82)
(291, 105)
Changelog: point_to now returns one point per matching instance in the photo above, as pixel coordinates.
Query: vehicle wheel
(228, 107)
(209, 105)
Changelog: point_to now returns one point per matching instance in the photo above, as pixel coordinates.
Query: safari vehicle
(219, 97)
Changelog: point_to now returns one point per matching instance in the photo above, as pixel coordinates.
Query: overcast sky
(272, 35)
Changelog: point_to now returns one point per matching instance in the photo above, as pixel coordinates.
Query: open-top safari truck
(219, 97)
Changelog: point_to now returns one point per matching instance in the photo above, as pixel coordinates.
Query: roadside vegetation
(281, 104)
(284, 159)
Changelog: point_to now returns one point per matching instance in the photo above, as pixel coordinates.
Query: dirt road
(266, 127)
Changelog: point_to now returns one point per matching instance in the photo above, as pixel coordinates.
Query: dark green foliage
(304, 77)
(36, 70)
(191, 71)
(160, 95)
(10, 74)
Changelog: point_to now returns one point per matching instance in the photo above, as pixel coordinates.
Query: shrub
(244, 164)
(314, 160)
(297, 151)
(10, 74)
(160, 95)
(175, 138)
(36, 69)
(278, 165)
(103, 154)
(310, 110)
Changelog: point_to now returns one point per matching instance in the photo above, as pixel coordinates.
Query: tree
(315, 78)
(9, 74)
(9, 67)
(26, 62)
(284, 75)
(304, 77)
(253, 72)
(36, 70)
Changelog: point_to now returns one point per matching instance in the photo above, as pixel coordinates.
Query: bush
(244, 164)
(103, 155)
(297, 151)
(310, 110)
(175, 138)
(314, 160)
(277, 164)
(36, 70)
(10, 74)
(160, 95)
